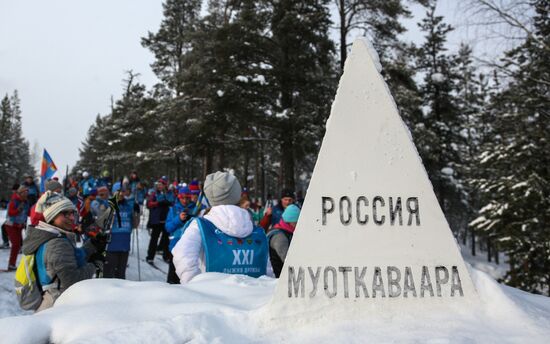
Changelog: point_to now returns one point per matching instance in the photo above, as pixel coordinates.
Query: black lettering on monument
(456, 284)
(425, 282)
(345, 270)
(414, 209)
(377, 282)
(325, 210)
(378, 221)
(334, 291)
(314, 280)
(394, 277)
(296, 283)
(439, 280)
(396, 211)
(408, 283)
(360, 282)
(347, 210)
(361, 221)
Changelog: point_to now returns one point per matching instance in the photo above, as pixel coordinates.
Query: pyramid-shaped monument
(371, 235)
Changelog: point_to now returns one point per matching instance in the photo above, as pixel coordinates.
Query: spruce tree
(436, 132)
(516, 188)
(302, 56)
(14, 148)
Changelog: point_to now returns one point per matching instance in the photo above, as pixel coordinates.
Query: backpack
(28, 286)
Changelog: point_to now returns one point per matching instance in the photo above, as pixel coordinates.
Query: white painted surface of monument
(371, 235)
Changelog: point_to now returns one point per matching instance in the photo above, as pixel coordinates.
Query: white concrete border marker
(371, 235)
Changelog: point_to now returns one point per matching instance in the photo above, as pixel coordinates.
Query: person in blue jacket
(87, 184)
(178, 216)
(121, 234)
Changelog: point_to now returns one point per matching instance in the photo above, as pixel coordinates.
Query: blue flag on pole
(47, 171)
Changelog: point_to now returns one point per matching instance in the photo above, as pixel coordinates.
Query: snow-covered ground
(217, 308)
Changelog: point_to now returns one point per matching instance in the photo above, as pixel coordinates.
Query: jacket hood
(36, 236)
(231, 219)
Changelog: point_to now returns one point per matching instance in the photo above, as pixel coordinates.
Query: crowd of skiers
(84, 227)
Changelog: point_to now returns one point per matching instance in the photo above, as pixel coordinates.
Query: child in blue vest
(225, 240)
(118, 248)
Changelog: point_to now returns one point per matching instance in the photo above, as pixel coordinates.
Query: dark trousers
(115, 265)
(5, 238)
(156, 231)
(172, 277)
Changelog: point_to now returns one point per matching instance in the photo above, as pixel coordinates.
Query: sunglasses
(69, 213)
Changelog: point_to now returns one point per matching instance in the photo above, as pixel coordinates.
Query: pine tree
(516, 189)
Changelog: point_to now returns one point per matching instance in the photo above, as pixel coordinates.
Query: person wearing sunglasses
(59, 262)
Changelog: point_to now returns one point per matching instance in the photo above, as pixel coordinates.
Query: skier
(18, 211)
(72, 194)
(158, 205)
(33, 190)
(105, 180)
(272, 215)
(138, 190)
(121, 234)
(280, 237)
(225, 240)
(101, 203)
(178, 216)
(86, 184)
(59, 262)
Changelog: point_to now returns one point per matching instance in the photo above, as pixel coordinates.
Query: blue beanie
(291, 213)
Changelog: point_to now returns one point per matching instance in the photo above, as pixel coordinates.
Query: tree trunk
(473, 243)
(489, 257)
(287, 161)
(207, 163)
(343, 35)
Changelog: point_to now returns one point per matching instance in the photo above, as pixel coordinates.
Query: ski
(154, 266)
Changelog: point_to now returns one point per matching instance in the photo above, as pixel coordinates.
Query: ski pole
(137, 241)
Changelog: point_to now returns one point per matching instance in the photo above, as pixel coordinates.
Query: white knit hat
(54, 204)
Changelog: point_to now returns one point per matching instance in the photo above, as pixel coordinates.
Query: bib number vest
(230, 255)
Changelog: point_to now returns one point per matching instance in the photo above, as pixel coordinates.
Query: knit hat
(184, 191)
(53, 204)
(287, 193)
(194, 187)
(53, 185)
(102, 189)
(291, 213)
(222, 188)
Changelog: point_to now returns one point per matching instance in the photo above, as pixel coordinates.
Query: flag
(47, 171)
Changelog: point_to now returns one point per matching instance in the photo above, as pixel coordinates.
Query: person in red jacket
(18, 211)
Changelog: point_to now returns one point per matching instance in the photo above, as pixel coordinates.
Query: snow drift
(232, 308)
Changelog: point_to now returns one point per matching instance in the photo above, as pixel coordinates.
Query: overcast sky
(67, 58)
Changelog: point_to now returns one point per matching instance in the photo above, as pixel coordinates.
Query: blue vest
(230, 255)
(121, 235)
(43, 277)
